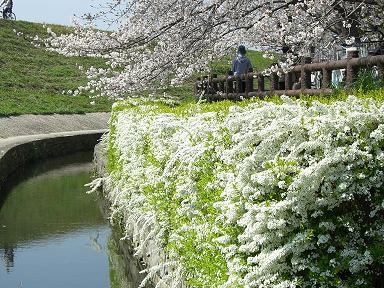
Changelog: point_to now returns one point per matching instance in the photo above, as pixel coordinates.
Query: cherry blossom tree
(164, 42)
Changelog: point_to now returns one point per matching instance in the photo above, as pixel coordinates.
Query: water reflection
(47, 206)
(9, 256)
(119, 275)
(52, 233)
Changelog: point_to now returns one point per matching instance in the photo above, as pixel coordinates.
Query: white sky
(53, 11)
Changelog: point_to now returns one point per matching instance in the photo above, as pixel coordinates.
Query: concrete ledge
(15, 152)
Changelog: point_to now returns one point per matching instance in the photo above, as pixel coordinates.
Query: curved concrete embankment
(16, 152)
(28, 138)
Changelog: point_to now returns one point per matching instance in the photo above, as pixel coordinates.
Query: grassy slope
(32, 79)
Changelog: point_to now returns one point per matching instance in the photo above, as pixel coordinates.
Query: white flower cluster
(257, 195)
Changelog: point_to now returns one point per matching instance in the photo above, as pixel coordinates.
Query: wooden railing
(239, 87)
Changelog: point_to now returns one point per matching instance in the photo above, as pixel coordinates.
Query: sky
(53, 11)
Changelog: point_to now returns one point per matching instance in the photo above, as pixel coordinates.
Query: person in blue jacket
(241, 65)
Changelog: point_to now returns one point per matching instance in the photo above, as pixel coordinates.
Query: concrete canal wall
(16, 152)
(30, 138)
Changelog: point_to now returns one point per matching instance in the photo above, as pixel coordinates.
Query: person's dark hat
(241, 50)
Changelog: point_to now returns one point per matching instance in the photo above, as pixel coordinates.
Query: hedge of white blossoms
(258, 194)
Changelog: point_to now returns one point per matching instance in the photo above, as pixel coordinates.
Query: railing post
(229, 83)
(351, 71)
(248, 84)
(260, 83)
(305, 75)
(196, 86)
(215, 85)
(274, 84)
(288, 81)
(327, 78)
(205, 84)
(238, 84)
(281, 82)
(222, 86)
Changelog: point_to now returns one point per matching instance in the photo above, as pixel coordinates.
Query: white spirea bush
(254, 195)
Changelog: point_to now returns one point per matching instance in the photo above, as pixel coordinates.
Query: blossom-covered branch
(162, 42)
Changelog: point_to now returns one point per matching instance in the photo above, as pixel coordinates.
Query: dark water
(52, 234)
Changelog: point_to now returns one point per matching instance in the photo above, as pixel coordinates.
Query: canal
(53, 234)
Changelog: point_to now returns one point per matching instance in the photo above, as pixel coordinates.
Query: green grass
(32, 79)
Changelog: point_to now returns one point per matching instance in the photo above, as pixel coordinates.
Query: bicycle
(9, 16)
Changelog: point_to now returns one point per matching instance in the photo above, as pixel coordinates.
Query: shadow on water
(53, 234)
(36, 169)
(49, 200)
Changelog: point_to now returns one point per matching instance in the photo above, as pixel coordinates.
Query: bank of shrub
(255, 194)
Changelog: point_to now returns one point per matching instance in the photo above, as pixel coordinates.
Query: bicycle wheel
(8, 16)
(12, 16)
